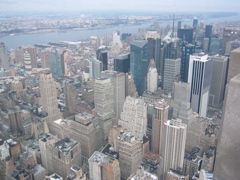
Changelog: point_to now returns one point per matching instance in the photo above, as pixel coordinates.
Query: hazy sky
(135, 5)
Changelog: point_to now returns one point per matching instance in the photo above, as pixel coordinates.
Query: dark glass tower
(56, 65)
(154, 51)
(208, 31)
(186, 35)
(122, 63)
(187, 50)
(139, 64)
(102, 55)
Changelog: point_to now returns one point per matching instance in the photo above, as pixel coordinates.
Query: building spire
(173, 20)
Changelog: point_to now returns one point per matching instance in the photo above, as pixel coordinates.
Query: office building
(134, 116)
(95, 68)
(60, 155)
(154, 51)
(218, 81)
(185, 35)
(117, 44)
(229, 34)
(195, 22)
(71, 96)
(138, 63)
(102, 55)
(55, 65)
(118, 82)
(215, 46)
(234, 65)
(3, 56)
(179, 25)
(82, 130)
(187, 50)
(227, 156)
(231, 45)
(27, 63)
(181, 102)
(45, 58)
(208, 31)
(122, 63)
(199, 78)
(171, 70)
(173, 146)
(33, 55)
(130, 156)
(102, 166)
(48, 98)
(15, 121)
(103, 99)
(160, 117)
(152, 77)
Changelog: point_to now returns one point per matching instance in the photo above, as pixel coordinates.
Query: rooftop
(65, 145)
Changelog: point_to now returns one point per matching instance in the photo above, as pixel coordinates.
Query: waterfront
(44, 38)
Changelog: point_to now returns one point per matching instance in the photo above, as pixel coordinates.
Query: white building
(199, 78)
(152, 77)
(134, 116)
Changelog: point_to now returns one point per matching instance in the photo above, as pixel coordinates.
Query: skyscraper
(195, 22)
(45, 58)
(173, 145)
(48, 99)
(3, 56)
(138, 64)
(208, 31)
(33, 55)
(160, 117)
(187, 50)
(55, 65)
(199, 77)
(234, 64)
(218, 81)
(95, 68)
(118, 81)
(71, 96)
(103, 99)
(134, 117)
(171, 70)
(102, 55)
(122, 63)
(154, 51)
(227, 157)
(185, 35)
(27, 63)
(152, 77)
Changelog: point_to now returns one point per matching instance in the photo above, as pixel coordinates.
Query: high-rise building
(195, 22)
(55, 64)
(199, 78)
(118, 81)
(27, 63)
(208, 31)
(154, 51)
(160, 117)
(3, 56)
(187, 50)
(227, 156)
(231, 45)
(122, 63)
(171, 70)
(60, 155)
(185, 35)
(181, 102)
(95, 68)
(64, 62)
(48, 98)
(45, 58)
(71, 96)
(138, 63)
(234, 65)
(103, 99)
(82, 130)
(102, 166)
(173, 145)
(179, 25)
(33, 55)
(130, 156)
(215, 46)
(102, 55)
(218, 82)
(152, 77)
(15, 121)
(134, 116)
(229, 34)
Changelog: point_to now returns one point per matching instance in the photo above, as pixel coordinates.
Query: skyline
(11, 6)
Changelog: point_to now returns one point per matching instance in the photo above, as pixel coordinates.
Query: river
(44, 38)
